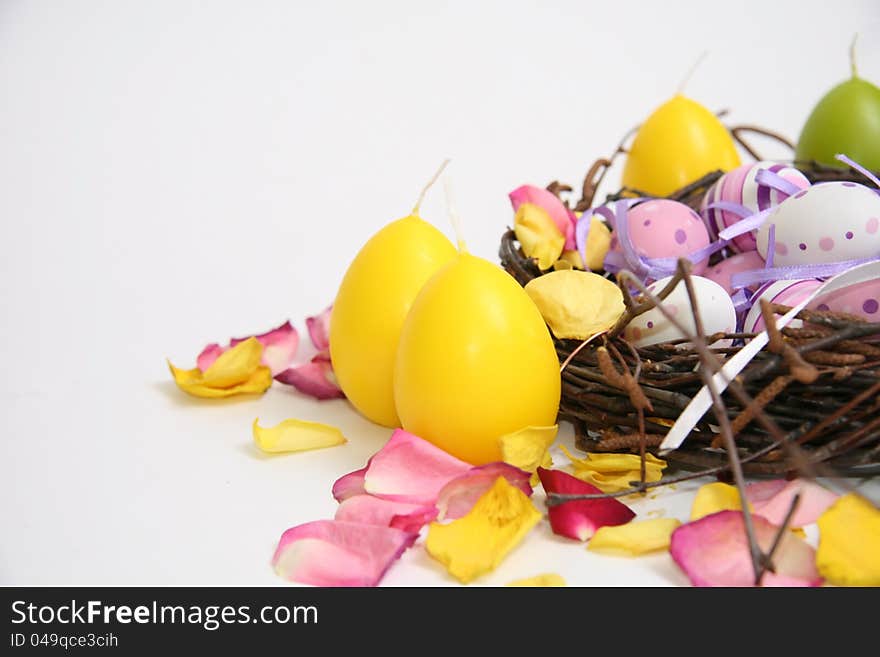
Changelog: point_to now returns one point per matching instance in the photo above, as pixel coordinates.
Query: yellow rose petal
(547, 464)
(538, 235)
(234, 366)
(849, 542)
(598, 244)
(561, 264)
(547, 580)
(576, 304)
(527, 448)
(192, 382)
(476, 543)
(634, 538)
(296, 436)
(715, 497)
(572, 260)
(614, 472)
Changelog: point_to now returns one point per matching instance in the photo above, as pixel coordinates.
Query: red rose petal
(350, 484)
(579, 519)
(319, 329)
(372, 510)
(279, 349)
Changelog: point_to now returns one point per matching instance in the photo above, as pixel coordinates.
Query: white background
(176, 173)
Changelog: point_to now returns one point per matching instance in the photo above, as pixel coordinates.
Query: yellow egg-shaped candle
(371, 305)
(678, 144)
(475, 361)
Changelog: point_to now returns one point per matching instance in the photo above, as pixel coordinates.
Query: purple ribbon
(771, 247)
(794, 272)
(745, 225)
(773, 180)
(858, 167)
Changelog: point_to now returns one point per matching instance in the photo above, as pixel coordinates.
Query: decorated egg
(741, 187)
(787, 293)
(829, 222)
(661, 228)
(715, 306)
(740, 262)
(859, 299)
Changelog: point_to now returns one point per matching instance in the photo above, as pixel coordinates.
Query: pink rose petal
(579, 519)
(563, 217)
(335, 553)
(319, 329)
(458, 497)
(312, 378)
(713, 551)
(279, 349)
(209, 355)
(773, 506)
(410, 469)
(350, 484)
(372, 510)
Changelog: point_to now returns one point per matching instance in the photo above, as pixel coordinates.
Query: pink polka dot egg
(741, 187)
(828, 222)
(735, 264)
(787, 293)
(859, 299)
(661, 228)
(716, 309)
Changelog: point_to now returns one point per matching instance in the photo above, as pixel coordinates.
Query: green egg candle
(846, 120)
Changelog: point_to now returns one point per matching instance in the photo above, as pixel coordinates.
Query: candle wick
(454, 219)
(429, 185)
(690, 73)
(852, 56)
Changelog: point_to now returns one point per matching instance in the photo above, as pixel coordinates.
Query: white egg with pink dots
(828, 222)
(716, 309)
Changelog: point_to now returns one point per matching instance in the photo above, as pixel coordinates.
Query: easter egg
(786, 293)
(661, 228)
(846, 120)
(475, 361)
(716, 309)
(678, 144)
(859, 299)
(373, 300)
(829, 222)
(735, 264)
(741, 187)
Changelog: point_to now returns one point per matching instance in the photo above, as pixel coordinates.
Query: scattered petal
(350, 484)
(579, 519)
(542, 581)
(598, 244)
(296, 436)
(236, 371)
(279, 349)
(715, 497)
(576, 304)
(319, 329)
(849, 542)
(528, 448)
(476, 543)
(562, 217)
(410, 469)
(614, 472)
(372, 510)
(814, 500)
(458, 497)
(538, 235)
(571, 260)
(208, 356)
(334, 553)
(714, 551)
(313, 378)
(634, 538)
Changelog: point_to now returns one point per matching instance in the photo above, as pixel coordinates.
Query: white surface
(174, 173)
